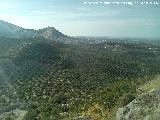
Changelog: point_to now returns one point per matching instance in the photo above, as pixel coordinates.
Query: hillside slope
(145, 106)
(65, 81)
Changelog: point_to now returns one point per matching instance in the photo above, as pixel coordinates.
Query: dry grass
(153, 84)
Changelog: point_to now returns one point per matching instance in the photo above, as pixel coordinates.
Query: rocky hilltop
(145, 107)
(14, 31)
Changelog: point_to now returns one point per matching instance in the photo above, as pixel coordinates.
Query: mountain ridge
(13, 31)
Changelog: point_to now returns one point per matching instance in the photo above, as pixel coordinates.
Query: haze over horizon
(77, 19)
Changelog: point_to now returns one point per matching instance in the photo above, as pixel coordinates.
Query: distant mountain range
(13, 31)
(8, 30)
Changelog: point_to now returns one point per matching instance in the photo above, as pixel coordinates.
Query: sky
(79, 18)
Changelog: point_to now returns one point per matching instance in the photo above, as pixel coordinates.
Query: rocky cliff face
(145, 107)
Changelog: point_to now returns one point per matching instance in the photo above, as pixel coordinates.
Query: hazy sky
(74, 18)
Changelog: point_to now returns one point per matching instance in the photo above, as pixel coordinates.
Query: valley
(46, 75)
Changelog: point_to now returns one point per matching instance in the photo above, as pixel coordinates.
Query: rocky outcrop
(145, 107)
(13, 115)
(82, 118)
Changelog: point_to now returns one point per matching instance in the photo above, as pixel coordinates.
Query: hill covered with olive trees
(50, 79)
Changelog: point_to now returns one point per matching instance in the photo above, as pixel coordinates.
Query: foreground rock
(145, 107)
(13, 115)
